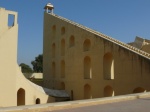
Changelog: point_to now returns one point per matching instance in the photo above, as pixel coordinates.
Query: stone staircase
(121, 44)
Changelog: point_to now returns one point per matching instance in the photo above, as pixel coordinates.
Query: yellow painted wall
(130, 69)
(12, 78)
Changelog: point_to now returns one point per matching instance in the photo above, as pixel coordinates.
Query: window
(11, 20)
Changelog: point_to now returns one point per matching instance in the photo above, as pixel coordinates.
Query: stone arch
(62, 69)
(108, 66)
(139, 90)
(21, 97)
(108, 91)
(38, 101)
(86, 45)
(71, 41)
(53, 69)
(62, 86)
(63, 30)
(62, 47)
(87, 92)
(87, 68)
(53, 50)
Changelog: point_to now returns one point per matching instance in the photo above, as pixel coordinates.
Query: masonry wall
(88, 66)
(15, 89)
(8, 58)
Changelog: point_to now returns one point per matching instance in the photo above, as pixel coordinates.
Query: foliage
(25, 68)
(38, 64)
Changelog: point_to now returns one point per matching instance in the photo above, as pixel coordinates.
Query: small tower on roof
(49, 8)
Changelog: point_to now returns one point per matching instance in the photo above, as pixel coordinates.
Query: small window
(11, 19)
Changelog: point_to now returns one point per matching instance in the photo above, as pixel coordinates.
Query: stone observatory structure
(15, 89)
(89, 64)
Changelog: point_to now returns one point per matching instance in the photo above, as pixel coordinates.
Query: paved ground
(139, 105)
(126, 103)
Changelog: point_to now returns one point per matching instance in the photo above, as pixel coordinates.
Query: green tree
(25, 68)
(38, 64)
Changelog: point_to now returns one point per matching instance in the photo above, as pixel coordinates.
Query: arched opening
(63, 30)
(37, 101)
(62, 47)
(62, 69)
(53, 50)
(87, 45)
(21, 97)
(62, 86)
(139, 90)
(53, 31)
(87, 68)
(71, 41)
(53, 69)
(108, 91)
(108, 66)
(87, 92)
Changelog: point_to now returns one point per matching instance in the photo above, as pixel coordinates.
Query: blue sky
(120, 19)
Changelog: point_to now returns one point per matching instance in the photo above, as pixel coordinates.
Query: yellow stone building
(88, 64)
(15, 89)
(78, 61)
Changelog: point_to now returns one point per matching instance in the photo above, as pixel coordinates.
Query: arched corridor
(108, 91)
(139, 90)
(87, 68)
(38, 101)
(21, 97)
(108, 66)
(86, 45)
(87, 92)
